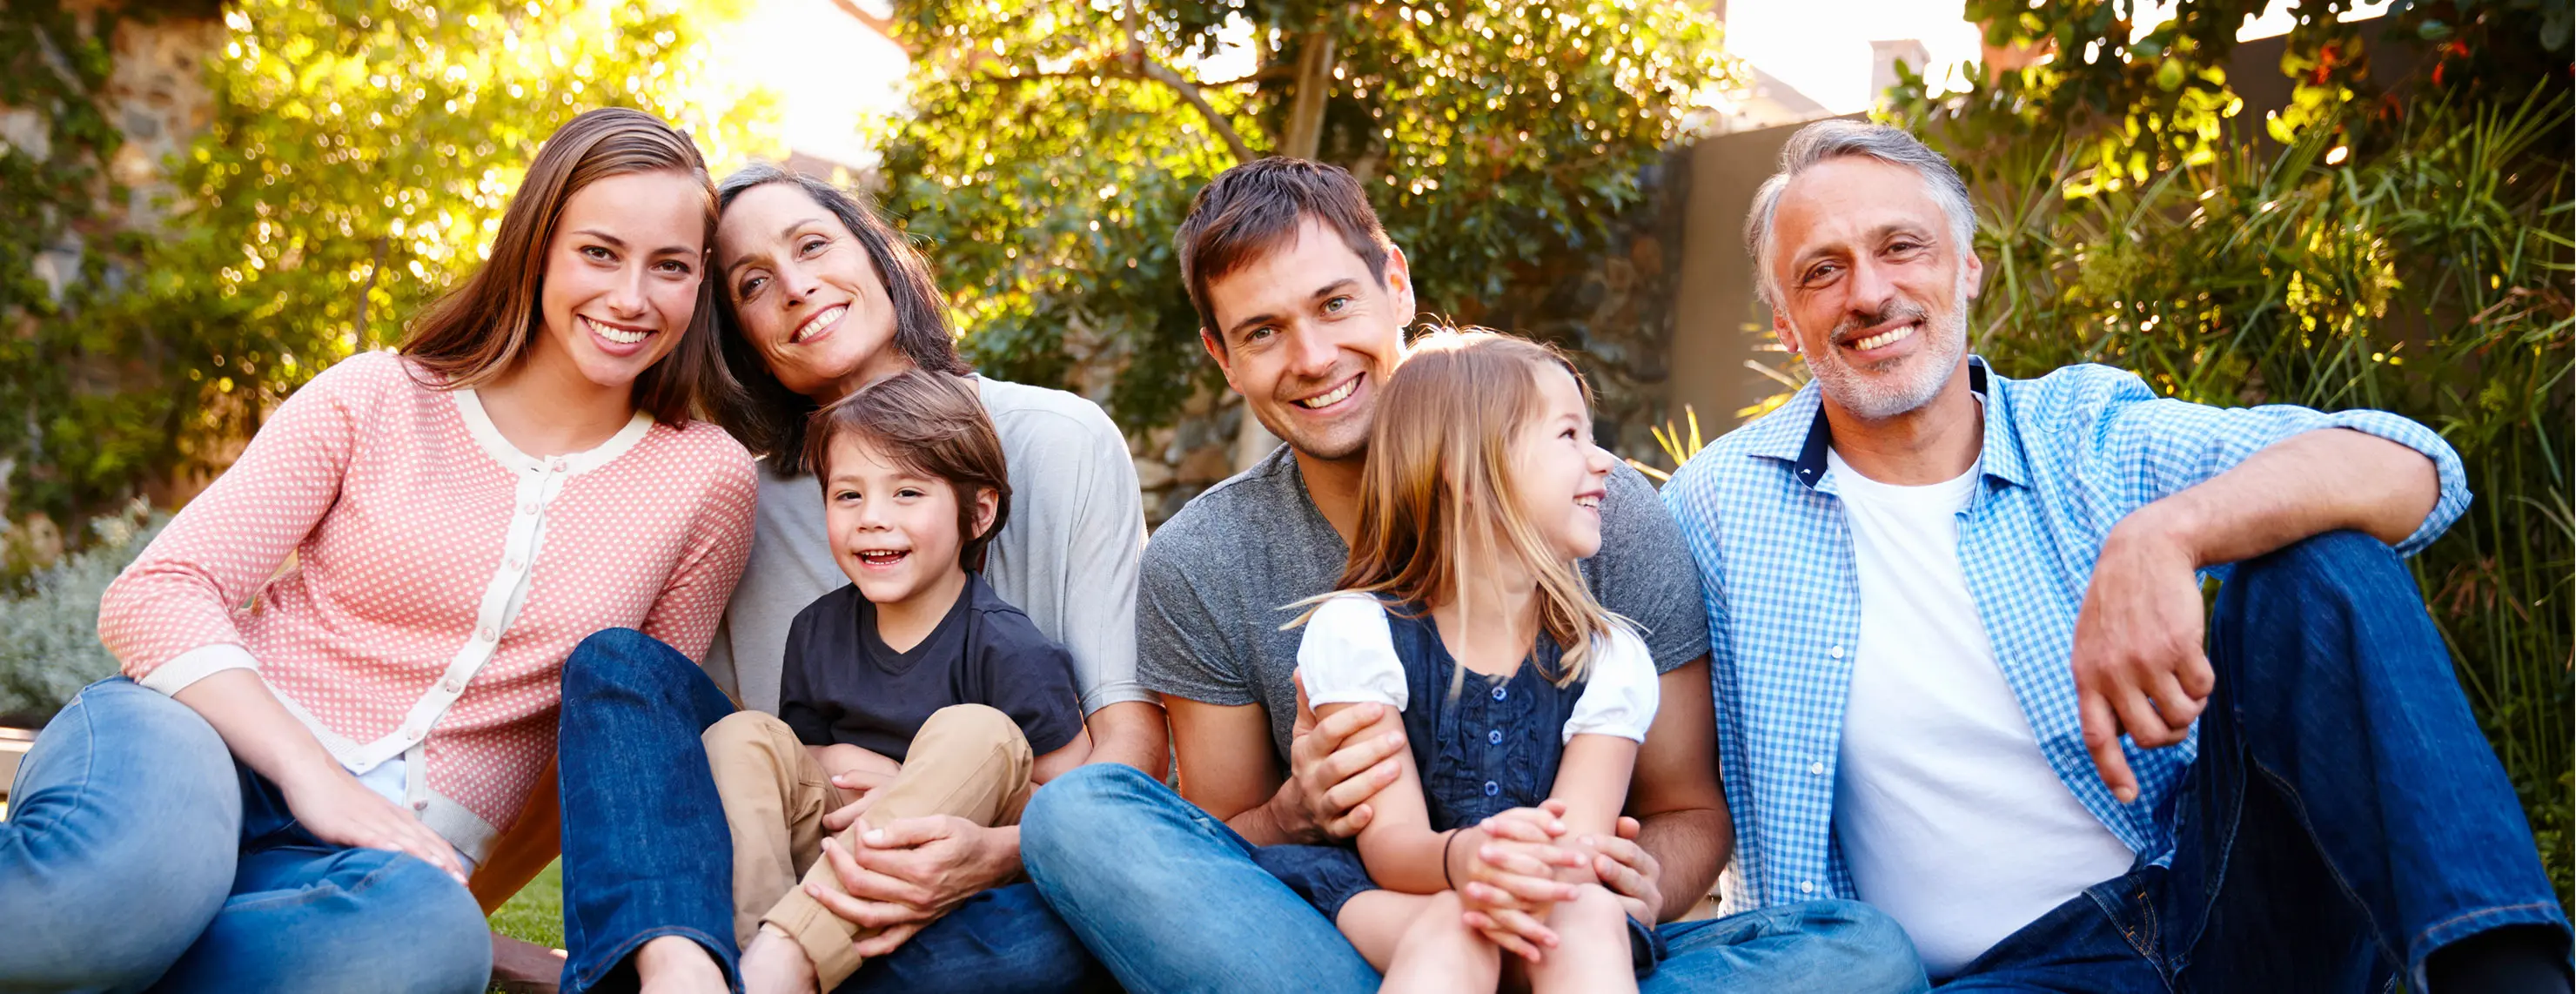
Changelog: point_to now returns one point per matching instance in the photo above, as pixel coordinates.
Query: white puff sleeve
(1348, 655)
(1619, 690)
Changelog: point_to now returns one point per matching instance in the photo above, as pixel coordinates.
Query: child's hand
(1512, 879)
(861, 786)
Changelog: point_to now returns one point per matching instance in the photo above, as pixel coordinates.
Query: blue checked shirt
(2066, 457)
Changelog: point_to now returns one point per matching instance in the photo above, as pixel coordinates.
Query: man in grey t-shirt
(1303, 302)
(1211, 592)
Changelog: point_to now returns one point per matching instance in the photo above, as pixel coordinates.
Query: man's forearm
(1691, 846)
(1130, 732)
(2305, 485)
(1261, 825)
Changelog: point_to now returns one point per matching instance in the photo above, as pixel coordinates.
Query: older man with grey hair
(1964, 673)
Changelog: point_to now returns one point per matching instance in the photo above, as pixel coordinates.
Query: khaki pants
(968, 760)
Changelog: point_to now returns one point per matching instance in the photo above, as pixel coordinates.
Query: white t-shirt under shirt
(1947, 815)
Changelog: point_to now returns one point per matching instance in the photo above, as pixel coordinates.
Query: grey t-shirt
(1216, 576)
(1067, 557)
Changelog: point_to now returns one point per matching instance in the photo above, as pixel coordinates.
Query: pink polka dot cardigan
(438, 578)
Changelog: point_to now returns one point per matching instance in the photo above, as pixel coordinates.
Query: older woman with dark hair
(820, 296)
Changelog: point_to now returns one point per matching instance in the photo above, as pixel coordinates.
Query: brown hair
(771, 419)
(1439, 485)
(479, 329)
(931, 424)
(1255, 208)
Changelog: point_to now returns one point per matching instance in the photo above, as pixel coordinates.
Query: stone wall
(157, 99)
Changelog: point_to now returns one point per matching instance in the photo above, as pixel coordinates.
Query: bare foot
(775, 964)
(672, 964)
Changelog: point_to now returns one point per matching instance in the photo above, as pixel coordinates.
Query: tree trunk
(1305, 136)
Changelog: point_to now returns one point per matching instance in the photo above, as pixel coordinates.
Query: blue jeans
(138, 854)
(2344, 819)
(646, 852)
(1170, 900)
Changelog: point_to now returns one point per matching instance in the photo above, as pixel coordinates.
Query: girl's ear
(987, 503)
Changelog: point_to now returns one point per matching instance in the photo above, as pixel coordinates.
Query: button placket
(535, 489)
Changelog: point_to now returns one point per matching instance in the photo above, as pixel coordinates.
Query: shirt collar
(1778, 437)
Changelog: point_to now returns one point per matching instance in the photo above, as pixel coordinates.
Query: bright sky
(1821, 47)
(828, 70)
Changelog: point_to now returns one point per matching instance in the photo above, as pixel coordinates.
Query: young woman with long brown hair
(1463, 616)
(289, 796)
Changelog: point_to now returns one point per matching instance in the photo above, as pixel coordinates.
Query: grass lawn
(536, 914)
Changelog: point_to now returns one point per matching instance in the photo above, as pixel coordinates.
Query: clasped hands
(1508, 870)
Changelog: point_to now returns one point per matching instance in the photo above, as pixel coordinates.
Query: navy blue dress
(1490, 747)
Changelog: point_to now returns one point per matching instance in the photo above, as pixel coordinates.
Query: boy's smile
(895, 534)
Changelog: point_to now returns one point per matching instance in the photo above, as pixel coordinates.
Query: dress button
(1836, 652)
(451, 686)
(556, 464)
(1492, 788)
(484, 633)
(515, 564)
(528, 508)
(411, 734)
(1816, 768)
(1806, 886)
(420, 805)
(1495, 736)
(1498, 693)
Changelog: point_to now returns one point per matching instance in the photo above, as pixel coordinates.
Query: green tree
(2131, 100)
(359, 160)
(1055, 144)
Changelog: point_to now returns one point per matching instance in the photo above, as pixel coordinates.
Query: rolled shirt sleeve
(2141, 448)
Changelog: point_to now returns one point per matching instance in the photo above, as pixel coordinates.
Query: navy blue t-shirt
(844, 686)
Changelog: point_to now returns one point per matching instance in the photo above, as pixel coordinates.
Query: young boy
(917, 672)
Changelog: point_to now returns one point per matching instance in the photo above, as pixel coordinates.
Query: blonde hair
(1439, 485)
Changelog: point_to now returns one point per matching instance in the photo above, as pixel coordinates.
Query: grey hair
(1836, 138)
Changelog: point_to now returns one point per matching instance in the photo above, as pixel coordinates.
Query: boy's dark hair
(1255, 208)
(927, 423)
(771, 419)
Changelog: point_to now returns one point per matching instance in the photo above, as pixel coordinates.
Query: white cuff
(196, 664)
(1348, 655)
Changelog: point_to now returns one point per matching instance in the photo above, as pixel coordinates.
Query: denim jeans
(2344, 819)
(646, 854)
(1169, 899)
(138, 854)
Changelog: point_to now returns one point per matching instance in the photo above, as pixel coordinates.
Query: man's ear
(1780, 329)
(1216, 350)
(1976, 276)
(1399, 283)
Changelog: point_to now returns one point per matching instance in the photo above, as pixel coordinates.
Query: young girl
(1463, 612)
(342, 662)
